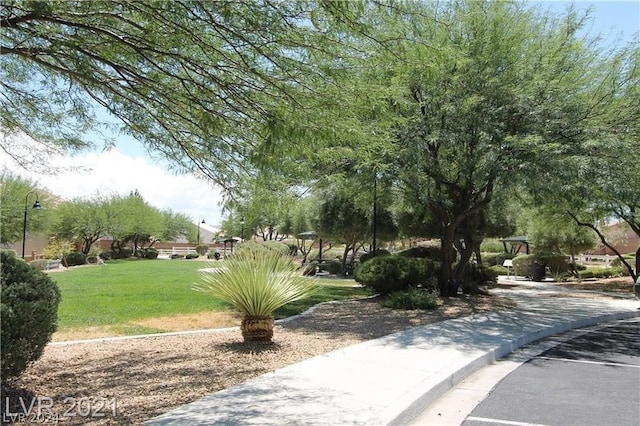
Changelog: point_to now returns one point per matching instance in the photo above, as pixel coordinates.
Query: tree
(550, 231)
(205, 84)
(598, 183)
(16, 194)
(488, 100)
(136, 223)
(84, 220)
(342, 221)
(174, 225)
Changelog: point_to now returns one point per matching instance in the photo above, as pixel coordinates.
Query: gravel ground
(149, 376)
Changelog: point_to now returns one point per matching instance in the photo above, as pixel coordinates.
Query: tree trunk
(448, 287)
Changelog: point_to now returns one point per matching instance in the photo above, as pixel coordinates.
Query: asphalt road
(593, 379)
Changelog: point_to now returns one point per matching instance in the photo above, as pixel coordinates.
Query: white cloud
(112, 172)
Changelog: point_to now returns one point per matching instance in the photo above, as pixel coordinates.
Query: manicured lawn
(124, 291)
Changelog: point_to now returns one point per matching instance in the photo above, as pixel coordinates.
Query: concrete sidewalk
(393, 379)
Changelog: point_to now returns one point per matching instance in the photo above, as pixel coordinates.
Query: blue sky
(129, 167)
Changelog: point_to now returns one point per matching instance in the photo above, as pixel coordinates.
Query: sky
(128, 167)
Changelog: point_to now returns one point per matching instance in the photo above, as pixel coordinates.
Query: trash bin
(538, 272)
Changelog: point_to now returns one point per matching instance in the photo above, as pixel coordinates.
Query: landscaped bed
(149, 376)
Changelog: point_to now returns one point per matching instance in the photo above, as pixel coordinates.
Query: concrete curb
(422, 400)
(391, 380)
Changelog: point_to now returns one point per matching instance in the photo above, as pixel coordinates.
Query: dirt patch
(152, 375)
(199, 321)
(608, 285)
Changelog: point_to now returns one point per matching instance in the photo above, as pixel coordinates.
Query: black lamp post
(36, 205)
(242, 228)
(199, 222)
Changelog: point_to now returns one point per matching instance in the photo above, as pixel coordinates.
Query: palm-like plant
(256, 283)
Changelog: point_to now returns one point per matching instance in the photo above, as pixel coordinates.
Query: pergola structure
(516, 244)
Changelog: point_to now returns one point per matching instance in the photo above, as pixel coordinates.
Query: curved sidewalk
(392, 379)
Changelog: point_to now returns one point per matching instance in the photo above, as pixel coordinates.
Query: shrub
(151, 253)
(202, 249)
(630, 259)
(603, 273)
(523, 264)
(191, 256)
(499, 270)
(105, 255)
(412, 298)
(74, 259)
(213, 255)
(386, 274)
(333, 267)
(492, 246)
(496, 259)
(122, 253)
(557, 263)
(476, 277)
(310, 269)
(277, 246)
(369, 255)
(176, 256)
(423, 252)
(256, 284)
(29, 315)
(92, 259)
(39, 264)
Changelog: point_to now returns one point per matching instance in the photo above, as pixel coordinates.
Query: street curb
(407, 411)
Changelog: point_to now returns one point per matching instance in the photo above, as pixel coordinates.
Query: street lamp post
(200, 220)
(36, 205)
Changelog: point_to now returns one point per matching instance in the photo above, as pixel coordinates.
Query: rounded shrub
(386, 274)
(74, 259)
(39, 264)
(476, 276)
(369, 255)
(191, 256)
(151, 253)
(29, 312)
(411, 299)
(333, 267)
(423, 252)
(202, 249)
(523, 264)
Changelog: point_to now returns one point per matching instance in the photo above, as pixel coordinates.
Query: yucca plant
(256, 283)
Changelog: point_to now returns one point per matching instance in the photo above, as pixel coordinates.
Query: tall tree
(493, 90)
(84, 220)
(204, 84)
(137, 223)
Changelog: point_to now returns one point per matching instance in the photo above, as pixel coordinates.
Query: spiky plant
(256, 283)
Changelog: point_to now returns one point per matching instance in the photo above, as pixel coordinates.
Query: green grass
(329, 289)
(125, 291)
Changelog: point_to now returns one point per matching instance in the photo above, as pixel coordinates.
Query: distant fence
(176, 250)
(596, 258)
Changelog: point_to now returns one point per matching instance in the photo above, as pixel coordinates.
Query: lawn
(122, 292)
